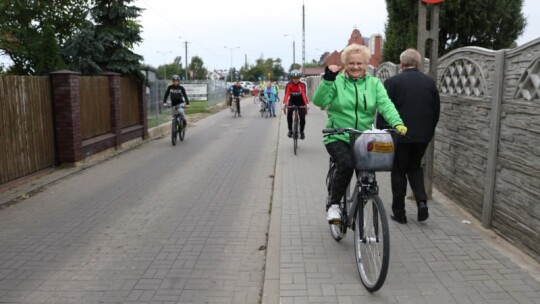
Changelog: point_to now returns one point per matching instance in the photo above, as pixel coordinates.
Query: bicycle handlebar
(332, 131)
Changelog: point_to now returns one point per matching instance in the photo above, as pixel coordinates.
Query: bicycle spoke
(372, 244)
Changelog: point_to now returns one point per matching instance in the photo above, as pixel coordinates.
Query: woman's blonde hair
(353, 49)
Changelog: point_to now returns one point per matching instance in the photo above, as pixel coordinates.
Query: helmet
(295, 74)
(176, 78)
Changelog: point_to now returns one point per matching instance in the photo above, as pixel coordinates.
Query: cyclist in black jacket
(236, 92)
(178, 95)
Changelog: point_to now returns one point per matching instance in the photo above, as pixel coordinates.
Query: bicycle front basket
(374, 151)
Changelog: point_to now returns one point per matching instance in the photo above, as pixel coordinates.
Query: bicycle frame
(365, 182)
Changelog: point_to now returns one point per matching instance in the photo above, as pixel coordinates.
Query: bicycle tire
(173, 131)
(182, 132)
(337, 230)
(372, 243)
(295, 136)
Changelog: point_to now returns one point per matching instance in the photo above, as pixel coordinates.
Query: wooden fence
(27, 133)
(129, 91)
(95, 106)
(64, 118)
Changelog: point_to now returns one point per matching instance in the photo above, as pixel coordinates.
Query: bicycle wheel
(295, 136)
(372, 243)
(337, 230)
(174, 131)
(235, 109)
(182, 128)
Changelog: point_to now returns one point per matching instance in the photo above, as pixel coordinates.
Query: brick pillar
(377, 47)
(67, 116)
(114, 96)
(143, 117)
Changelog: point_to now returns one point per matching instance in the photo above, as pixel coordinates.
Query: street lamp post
(164, 68)
(293, 47)
(231, 48)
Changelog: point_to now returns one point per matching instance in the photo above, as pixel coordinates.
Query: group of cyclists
(295, 95)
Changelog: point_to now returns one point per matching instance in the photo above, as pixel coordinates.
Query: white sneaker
(334, 214)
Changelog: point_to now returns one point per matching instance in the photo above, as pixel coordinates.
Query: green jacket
(352, 104)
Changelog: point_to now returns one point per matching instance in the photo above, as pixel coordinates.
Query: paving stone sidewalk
(444, 260)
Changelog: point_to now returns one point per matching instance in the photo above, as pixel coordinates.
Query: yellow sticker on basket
(381, 147)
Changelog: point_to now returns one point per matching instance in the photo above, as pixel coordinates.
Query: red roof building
(374, 44)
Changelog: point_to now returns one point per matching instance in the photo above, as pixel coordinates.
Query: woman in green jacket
(351, 99)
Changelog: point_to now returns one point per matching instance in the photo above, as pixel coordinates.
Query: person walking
(270, 95)
(350, 99)
(417, 100)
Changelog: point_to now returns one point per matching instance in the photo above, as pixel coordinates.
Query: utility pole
(431, 9)
(231, 49)
(303, 36)
(186, 62)
(293, 47)
(164, 67)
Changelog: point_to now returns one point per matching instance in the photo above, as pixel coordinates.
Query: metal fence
(157, 115)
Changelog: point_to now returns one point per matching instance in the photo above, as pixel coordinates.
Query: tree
(118, 32)
(168, 70)
(33, 32)
(197, 68)
(270, 69)
(484, 23)
(83, 50)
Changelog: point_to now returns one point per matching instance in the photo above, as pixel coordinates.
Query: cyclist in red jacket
(295, 94)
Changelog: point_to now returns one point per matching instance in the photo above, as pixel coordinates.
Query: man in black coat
(416, 98)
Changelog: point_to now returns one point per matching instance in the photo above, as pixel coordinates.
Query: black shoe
(289, 134)
(423, 213)
(302, 136)
(401, 218)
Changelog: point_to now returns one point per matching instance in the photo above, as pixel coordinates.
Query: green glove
(401, 129)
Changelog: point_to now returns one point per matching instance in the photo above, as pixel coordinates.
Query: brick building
(374, 43)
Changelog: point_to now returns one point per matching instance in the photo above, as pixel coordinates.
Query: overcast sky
(257, 28)
(254, 28)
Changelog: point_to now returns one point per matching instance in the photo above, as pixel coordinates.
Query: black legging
(341, 153)
(301, 113)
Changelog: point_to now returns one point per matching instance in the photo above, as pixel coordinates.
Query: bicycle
(363, 210)
(296, 123)
(234, 106)
(265, 111)
(178, 126)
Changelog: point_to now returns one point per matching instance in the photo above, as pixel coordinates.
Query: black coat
(416, 98)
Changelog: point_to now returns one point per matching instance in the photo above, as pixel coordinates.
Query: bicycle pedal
(335, 222)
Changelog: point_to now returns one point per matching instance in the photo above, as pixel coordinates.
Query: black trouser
(341, 153)
(301, 113)
(407, 165)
